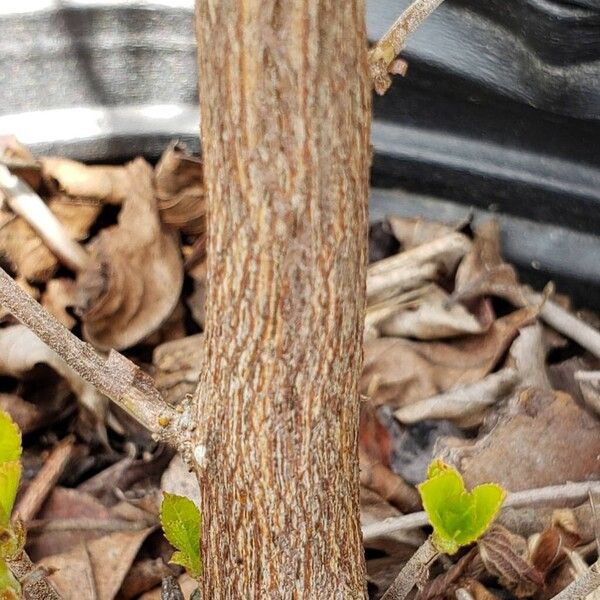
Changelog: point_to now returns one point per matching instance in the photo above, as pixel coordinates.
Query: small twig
(41, 526)
(555, 496)
(579, 589)
(44, 481)
(412, 571)
(568, 324)
(28, 205)
(32, 578)
(382, 56)
(117, 377)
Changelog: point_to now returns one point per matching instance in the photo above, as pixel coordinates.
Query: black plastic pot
(500, 110)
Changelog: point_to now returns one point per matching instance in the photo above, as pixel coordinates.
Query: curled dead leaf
(21, 350)
(398, 371)
(104, 183)
(504, 555)
(483, 272)
(136, 272)
(180, 190)
(540, 438)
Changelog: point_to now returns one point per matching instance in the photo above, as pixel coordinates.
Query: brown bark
(285, 107)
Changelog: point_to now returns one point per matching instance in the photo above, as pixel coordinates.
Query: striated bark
(285, 104)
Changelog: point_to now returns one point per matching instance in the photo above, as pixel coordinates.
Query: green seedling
(181, 521)
(458, 517)
(11, 537)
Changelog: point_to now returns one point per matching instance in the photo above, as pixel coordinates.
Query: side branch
(382, 57)
(116, 377)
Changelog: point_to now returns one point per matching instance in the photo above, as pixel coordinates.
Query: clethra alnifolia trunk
(285, 113)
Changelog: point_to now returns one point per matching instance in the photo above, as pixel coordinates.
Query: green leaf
(9, 586)
(10, 439)
(181, 520)
(10, 468)
(458, 517)
(10, 475)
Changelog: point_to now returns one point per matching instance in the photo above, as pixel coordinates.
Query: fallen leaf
(397, 371)
(58, 296)
(177, 366)
(504, 555)
(95, 569)
(24, 250)
(180, 190)
(135, 277)
(412, 232)
(542, 438)
(105, 183)
(419, 265)
(483, 272)
(143, 576)
(431, 317)
(21, 350)
(65, 503)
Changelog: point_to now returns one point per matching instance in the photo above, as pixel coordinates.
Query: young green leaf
(10, 439)
(9, 586)
(458, 517)
(10, 468)
(181, 520)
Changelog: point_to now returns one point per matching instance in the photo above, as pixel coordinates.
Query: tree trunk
(285, 105)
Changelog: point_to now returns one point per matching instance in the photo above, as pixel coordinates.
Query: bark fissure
(285, 126)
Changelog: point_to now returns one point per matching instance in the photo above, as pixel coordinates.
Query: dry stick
(412, 572)
(568, 324)
(44, 481)
(28, 205)
(579, 589)
(383, 54)
(553, 495)
(41, 526)
(117, 377)
(32, 578)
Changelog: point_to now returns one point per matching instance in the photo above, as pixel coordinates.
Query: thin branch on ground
(583, 586)
(36, 493)
(28, 205)
(32, 578)
(571, 326)
(556, 496)
(382, 57)
(412, 572)
(41, 526)
(116, 377)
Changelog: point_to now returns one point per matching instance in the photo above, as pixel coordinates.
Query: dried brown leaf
(136, 275)
(397, 371)
(21, 350)
(412, 232)
(104, 183)
(58, 296)
(187, 584)
(180, 190)
(98, 568)
(483, 272)
(541, 438)
(431, 317)
(504, 555)
(65, 503)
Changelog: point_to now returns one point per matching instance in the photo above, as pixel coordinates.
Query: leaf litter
(460, 363)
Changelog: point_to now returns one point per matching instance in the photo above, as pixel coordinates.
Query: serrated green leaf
(458, 517)
(10, 475)
(181, 521)
(9, 586)
(10, 439)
